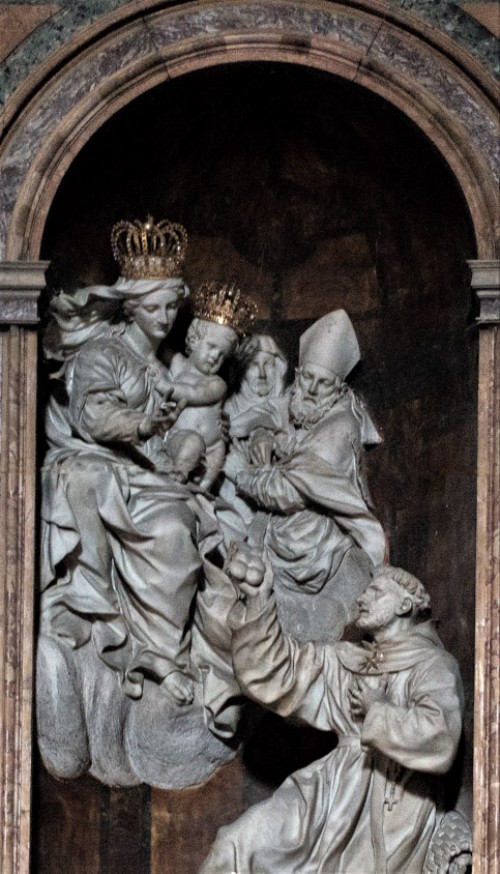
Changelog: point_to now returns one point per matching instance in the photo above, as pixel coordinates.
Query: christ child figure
(195, 381)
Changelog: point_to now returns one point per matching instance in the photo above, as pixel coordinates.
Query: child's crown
(225, 305)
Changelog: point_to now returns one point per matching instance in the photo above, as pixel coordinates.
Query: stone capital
(486, 285)
(20, 285)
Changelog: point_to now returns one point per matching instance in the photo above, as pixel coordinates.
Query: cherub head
(208, 344)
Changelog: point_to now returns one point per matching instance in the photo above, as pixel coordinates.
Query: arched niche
(128, 52)
(107, 66)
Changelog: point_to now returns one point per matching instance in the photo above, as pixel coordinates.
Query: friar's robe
(371, 805)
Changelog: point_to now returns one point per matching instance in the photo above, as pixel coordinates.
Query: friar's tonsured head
(392, 594)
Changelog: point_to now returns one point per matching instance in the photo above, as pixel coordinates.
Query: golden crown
(224, 305)
(149, 250)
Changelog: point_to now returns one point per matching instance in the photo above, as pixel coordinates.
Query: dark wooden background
(312, 194)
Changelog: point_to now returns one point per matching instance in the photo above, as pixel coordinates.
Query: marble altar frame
(48, 120)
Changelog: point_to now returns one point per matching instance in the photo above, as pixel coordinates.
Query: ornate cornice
(486, 284)
(20, 285)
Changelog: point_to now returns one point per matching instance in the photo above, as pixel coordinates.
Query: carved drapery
(20, 286)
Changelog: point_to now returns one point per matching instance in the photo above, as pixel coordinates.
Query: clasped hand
(365, 691)
(247, 568)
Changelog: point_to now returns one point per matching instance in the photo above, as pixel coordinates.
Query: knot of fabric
(374, 658)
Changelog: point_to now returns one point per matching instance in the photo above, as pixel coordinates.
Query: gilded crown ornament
(225, 305)
(149, 250)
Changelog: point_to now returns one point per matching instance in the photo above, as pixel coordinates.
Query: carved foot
(179, 687)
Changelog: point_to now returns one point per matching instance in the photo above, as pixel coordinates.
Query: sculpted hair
(128, 307)
(415, 588)
(197, 330)
(131, 301)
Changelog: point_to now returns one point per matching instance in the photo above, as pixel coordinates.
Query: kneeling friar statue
(395, 702)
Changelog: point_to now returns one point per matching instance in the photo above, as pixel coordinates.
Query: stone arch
(128, 52)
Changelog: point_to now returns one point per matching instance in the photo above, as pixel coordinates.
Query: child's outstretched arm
(207, 391)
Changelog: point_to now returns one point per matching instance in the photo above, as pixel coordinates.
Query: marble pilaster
(486, 284)
(20, 285)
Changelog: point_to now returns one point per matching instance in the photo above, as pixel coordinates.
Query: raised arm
(272, 668)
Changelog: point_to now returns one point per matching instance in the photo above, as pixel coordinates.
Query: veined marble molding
(20, 285)
(445, 17)
(486, 284)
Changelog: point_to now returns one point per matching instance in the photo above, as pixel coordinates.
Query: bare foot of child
(179, 687)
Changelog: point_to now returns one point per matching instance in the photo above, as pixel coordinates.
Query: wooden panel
(125, 839)
(67, 825)
(184, 823)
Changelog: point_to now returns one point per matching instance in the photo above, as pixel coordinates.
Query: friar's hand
(247, 568)
(365, 691)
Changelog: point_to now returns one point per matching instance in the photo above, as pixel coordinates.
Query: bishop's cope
(316, 517)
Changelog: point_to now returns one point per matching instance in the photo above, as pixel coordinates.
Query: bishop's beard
(306, 411)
